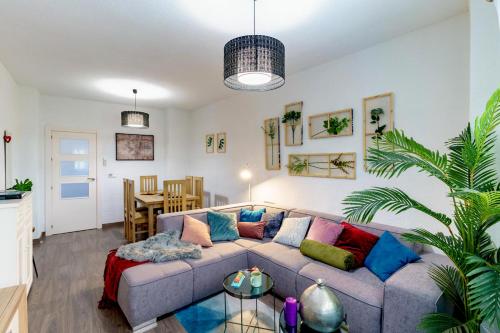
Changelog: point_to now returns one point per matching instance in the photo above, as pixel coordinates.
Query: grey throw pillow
(293, 231)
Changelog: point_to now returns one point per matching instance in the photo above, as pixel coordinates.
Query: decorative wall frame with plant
(327, 165)
(271, 129)
(378, 118)
(292, 120)
(331, 124)
(210, 143)
(221, 142)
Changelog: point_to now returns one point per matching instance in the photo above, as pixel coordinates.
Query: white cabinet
(16, 242)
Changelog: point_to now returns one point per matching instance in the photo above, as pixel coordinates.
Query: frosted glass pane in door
(74, 146)
(74, 168)
(74, 190)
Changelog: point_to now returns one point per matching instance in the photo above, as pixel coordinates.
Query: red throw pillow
(251, 229)
(356, 241)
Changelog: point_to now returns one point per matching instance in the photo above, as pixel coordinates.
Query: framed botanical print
(331, 124)
(326, 165)
(221, 142)
(378, 118)
(210, 143)
(271, 130)
(292, 120)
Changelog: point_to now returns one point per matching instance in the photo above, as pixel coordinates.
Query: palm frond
(445, 323)
(451, 283)
(361, 206)
(484, 289)
(396, 153)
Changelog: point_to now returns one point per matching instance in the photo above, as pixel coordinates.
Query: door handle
(91, 179)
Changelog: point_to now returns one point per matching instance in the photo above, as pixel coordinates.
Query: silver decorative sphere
(320, 308)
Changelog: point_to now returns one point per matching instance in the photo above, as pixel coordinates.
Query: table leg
(225, 313)
(150, 221)
(241, 313)
(274, 310)
(256, 312)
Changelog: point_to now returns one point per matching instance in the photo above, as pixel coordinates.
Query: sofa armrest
(175, 221)
(410, 294)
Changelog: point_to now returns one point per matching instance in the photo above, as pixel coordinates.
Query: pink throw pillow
(196, 232)
(324, 231)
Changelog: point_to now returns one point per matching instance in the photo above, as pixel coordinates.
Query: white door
(73, 187)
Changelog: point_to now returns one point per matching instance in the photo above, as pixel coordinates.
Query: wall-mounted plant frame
(210, 143)
(221, 142)
(292, 120)
(271, 129)
(326, 165)
(331, 124)
(378, 118)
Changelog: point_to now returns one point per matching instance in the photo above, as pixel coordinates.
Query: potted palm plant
(472, 281)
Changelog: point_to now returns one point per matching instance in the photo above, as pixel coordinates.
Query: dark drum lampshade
(135, 119)
(254, 62)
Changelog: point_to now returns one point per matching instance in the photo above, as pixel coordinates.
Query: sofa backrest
(175, 221)
(373, 228)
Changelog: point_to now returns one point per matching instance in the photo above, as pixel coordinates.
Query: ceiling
(67, 48)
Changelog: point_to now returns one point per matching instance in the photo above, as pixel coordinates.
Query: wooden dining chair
(126, 226)
(149, 184)
(138, 219)
(198, 192)
(189, 184)
(174, 196)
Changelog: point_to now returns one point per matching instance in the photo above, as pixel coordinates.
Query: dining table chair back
(149, 184)
(126, 226)
(174, 196)
(189, 185)
(198, 192)
(138, 220)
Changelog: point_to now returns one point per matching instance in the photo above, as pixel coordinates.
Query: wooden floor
(65, 295)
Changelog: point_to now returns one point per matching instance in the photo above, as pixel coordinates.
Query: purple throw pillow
(324, 231)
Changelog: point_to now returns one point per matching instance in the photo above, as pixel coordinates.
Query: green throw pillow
(223, 226)
(329, 254)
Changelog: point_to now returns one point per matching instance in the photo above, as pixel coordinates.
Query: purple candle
(290, 307)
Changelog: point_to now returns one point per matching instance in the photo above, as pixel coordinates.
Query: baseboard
(144, 327)
(112, 225)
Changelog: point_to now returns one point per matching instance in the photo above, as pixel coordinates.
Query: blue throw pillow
(273, 223)
(388, 255)
(223, 226)
(247, 215)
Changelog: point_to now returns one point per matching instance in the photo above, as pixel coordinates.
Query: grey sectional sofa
(152, 290)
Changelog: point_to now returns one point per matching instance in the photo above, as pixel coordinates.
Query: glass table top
(246, 290)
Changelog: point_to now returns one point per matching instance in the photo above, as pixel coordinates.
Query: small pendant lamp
(135, 119)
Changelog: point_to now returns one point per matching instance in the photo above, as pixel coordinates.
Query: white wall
(484, 66)
(428, 72)
(9, 121)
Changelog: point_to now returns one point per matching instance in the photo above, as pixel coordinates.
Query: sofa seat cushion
(152, 272)
(360, 284)
(282, 255)
(249, 242)
(229, 249)
(208, 256)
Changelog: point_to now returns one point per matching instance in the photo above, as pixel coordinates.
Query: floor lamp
(246, 175)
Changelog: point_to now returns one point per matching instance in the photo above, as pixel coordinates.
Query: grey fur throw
(161, 247)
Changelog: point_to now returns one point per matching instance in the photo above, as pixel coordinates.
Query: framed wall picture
(210, 143)
(378, 118)
(326, 165)
(271, 130)
(331, 124)
(292, 120)
(221, 142)
(135, 147)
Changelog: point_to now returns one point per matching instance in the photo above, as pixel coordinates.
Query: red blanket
(112, 274)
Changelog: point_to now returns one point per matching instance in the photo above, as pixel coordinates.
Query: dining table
(155, 200)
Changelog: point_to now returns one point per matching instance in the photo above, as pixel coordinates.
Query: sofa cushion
(247, 215)
(356, 241)
(175, 221)
(228, 249)
(151, 272)
(208, 256)
(329, 254)
(249, 242)
(273, 223)
(196, 231)
(223, 226)
(324, 231)
(282, 255)
(360, 284)
(293, 231)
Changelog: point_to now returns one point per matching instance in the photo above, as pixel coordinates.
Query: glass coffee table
(247, 292)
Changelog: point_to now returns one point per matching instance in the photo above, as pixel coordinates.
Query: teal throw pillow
(247, 215)
(223, 226)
